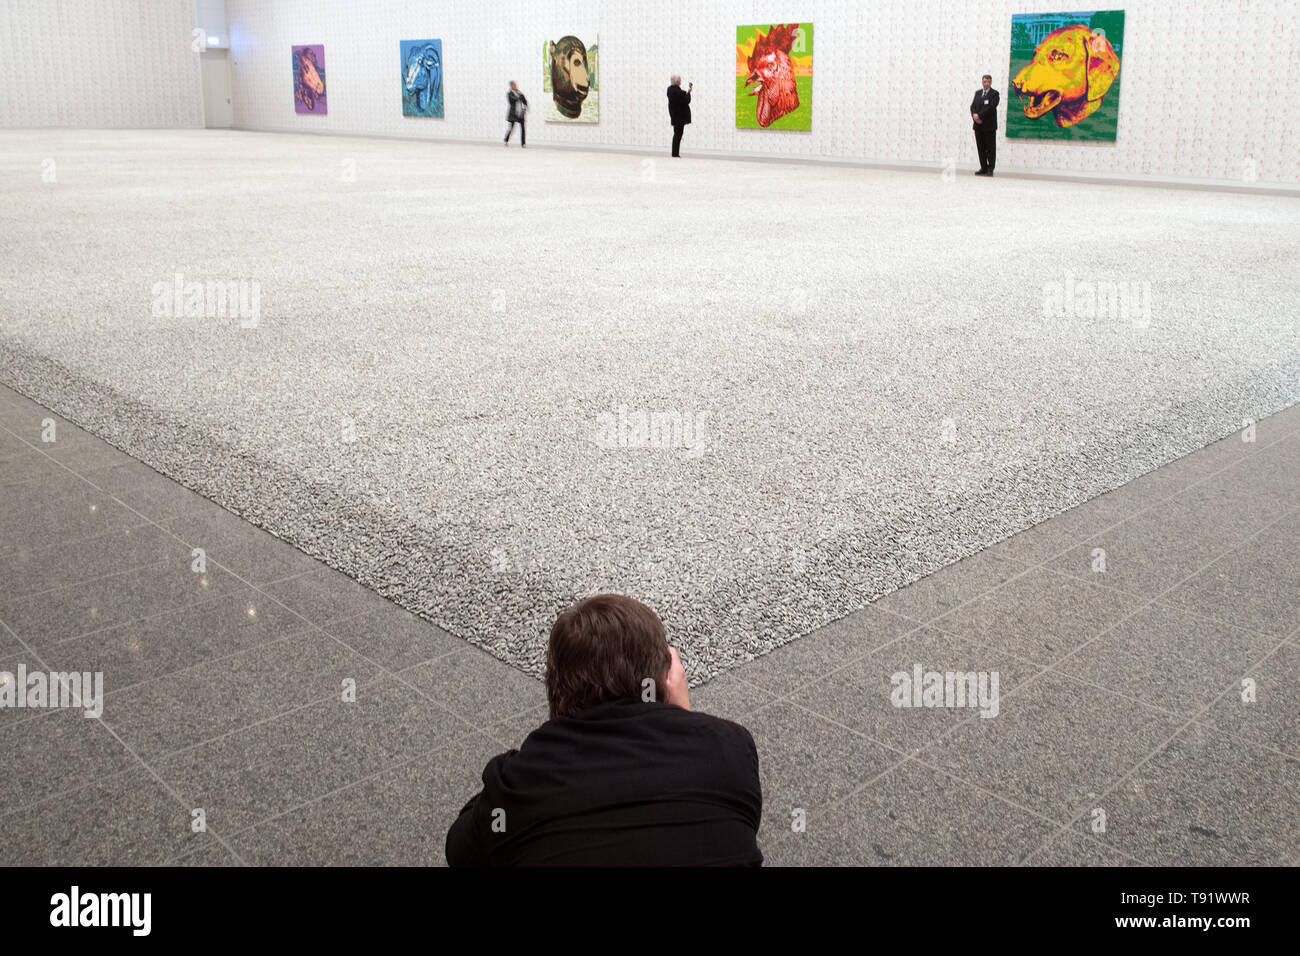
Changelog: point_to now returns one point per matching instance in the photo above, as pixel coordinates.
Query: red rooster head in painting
(771, 69)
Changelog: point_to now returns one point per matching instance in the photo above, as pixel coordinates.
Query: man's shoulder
(718, 725)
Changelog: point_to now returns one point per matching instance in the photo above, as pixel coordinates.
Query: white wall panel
(1209, 85)
(99, 64)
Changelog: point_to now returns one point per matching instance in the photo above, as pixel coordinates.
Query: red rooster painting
(771, 68)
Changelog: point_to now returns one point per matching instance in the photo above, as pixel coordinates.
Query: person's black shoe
(981, 172)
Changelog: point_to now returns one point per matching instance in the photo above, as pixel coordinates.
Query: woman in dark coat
(515, 114)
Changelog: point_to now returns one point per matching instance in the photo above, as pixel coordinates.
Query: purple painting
(309, 78)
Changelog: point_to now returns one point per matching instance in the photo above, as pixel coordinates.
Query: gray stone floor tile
(1207, 800)
(128, 819)
(324, 596)
(1159, 548)
(175, 640)
(1168, 658)
(1273, 718)
(79, 609)
(250, 553)
(12, 447)
(218, 697)
(916, 816)
(805, 660)
(65, 563)
(234, 698)
(50, 754)
(1077, 849)
(1054, 746)
(20, 465)
(398, 817)
(1046, 540)
(1040, 616)
(941, 592)
(807, 762)
(476, 686)
(39, 514)
(263, 770)
(141, 488)
(211, 854)
(72, 447)
(394, 637)
(729, 696)
(862, 695)
(1255, 585)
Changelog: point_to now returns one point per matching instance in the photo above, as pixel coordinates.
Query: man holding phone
(679, 111)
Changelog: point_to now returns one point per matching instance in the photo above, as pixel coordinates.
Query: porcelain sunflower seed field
(755, 396)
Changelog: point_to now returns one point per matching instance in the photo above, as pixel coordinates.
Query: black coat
(985, 104)
(517, 108)
(679, 105)
(625, 783)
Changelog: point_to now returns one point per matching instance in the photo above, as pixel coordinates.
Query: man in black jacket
(679, 111)
(624, 773)
(984, 116)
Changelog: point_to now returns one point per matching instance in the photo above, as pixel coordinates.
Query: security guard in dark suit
(984, 114)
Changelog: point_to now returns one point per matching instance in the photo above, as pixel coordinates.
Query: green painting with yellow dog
(1065, 76)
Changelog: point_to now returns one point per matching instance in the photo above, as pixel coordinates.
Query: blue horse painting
(422, 78)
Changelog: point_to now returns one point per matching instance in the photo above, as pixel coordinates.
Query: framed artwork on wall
(1065, 75)
(309, 79)
(421, 77)
(571, 78)
(774, 66)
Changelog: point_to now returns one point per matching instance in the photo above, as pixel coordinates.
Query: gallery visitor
(679, 111)
(515, 113)
(623, 773)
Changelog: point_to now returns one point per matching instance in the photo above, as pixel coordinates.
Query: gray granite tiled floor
(1121, 690)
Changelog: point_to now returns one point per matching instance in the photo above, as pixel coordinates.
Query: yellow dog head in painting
(1071, 72)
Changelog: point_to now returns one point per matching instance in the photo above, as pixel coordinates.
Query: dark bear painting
(571, 78)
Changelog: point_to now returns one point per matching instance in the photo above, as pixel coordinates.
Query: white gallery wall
(1210, 86)
(99, 64)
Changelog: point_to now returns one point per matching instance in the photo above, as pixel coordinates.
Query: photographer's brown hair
(603, 649)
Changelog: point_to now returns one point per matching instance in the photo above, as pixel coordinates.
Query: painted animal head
(309, 83)
(423, 68)
(570, 76)
(308, 70)
(771, 69)
(423, 74)
(1070, 74)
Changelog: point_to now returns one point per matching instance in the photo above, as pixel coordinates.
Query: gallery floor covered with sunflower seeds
(411, 400)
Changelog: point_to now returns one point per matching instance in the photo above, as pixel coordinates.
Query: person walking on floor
(516, 112)
(679, 111)
(984, 115)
